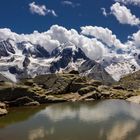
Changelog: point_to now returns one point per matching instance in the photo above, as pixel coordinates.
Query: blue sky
(16, 15)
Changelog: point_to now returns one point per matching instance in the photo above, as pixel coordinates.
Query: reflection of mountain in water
(105, 120)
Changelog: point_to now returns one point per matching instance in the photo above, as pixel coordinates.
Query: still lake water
(103, 120)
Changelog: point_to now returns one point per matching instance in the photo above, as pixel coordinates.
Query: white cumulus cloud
(136, 39)
(133, 2)
(57, 35)
(103, 34)
(93, 48)
(124, 15)
(41, 10)
(101, 43)
(35, 38)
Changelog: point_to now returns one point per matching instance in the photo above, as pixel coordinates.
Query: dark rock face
(80, 55)
(11, 59)
(55, 52)
(6, 48)
(139, 56)
(41, 52)
(3, 51)
(9, 47)
(97, 72)
(55, 66)
(36, 51)
(21, 45)
(66, 55)
(69, 52)
(15, 70)
(26, 62)
(87, 65)
(26, 52)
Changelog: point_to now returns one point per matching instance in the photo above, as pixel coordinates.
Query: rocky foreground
(53, 88)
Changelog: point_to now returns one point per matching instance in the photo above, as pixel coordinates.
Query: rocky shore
(54, 88)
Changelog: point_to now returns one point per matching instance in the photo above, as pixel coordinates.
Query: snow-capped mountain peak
(25, 59)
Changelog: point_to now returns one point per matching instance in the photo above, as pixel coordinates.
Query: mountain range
(25, 60)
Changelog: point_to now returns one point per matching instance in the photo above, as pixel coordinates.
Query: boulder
(3, 110)
(134, 99)
(11, 93)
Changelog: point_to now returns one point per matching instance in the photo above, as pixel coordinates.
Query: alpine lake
(96, 120)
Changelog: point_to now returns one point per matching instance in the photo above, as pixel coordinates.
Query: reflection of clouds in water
(100, 113)
(121, 130)
(134, 110)
(56, 114)
(40, 133)
(36, 134)
(88, 112)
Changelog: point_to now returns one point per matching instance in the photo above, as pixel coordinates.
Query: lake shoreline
(55, 88)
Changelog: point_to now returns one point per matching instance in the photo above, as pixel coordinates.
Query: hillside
(131, 81)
